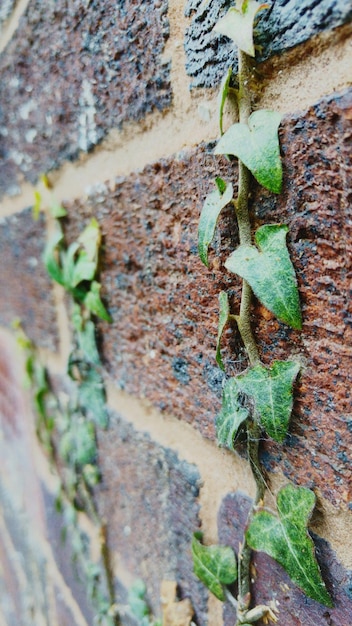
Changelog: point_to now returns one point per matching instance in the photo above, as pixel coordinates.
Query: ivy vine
(69, 412)
(261, 398)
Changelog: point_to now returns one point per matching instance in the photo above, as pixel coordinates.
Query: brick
(150, 498)
(285, 25)
(63, 555)
(74, 72)
(164, 303)
(25, 287)
(272, 582)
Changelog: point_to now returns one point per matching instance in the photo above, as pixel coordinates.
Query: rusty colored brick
(150, 499)
(73, 72)
(272, 582)
(164, 303)
(26, 290)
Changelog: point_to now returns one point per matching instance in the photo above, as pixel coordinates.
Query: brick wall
(115, 101)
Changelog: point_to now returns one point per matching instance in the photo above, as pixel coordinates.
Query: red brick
(150, 499)
(161, 344)
(73, 72)
(25, 287)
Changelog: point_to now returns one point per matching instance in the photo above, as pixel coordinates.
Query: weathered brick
(149, 497)
(285, 25)
(24, 285)
(164, 304)
(272, 582)
(72, 72)
(316, 205)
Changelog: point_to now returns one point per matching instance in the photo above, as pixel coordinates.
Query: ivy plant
(261, 398)
(67, 420)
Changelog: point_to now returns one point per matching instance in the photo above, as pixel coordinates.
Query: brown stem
(244, 326)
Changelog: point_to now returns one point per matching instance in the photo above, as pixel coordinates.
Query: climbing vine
(69, 413)
(261, 398)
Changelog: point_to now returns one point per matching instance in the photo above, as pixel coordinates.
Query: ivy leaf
(90, 239)
(214, 203)
(214, 565)
(270, 273)
(224, 315)
(94, 304)
(257, 146)
(37, 205)
(78, 443)
(285, 538)
(57, 210)
(79, 269)
(50, 257)
(231, 416)
(87, 343)
(238, 24)
(91, 396)
(271, 390)
(223, 94)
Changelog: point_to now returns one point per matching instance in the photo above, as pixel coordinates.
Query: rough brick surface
(72, 72)
(24, 285)
(272, 582)
(284, 25)
(164, 302)
(149, 497)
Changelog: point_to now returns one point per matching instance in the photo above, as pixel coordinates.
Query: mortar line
(161, 135)
(221, 471)
(12, 23)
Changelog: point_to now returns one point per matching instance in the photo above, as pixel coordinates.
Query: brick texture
(24, 285)
(272, 581)
(72, 72)
(150, 498)
(164, 303)
(286, 24)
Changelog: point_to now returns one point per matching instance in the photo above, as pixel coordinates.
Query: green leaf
(257, 146)
(271, 390)
(285, 538)
(270, 273)
(223, 94)
(94, 304)
(224, 315)
(78, 444)
(231, 416)
(77, 266)
(57, 210)
(136, 600)
(212, 207)
(50, 257)
(91, 397)
(37, 205)
(90, 239)
(238, 24)
(214, 565)
(87, 343)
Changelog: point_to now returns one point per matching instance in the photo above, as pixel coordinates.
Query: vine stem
(244, 326)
